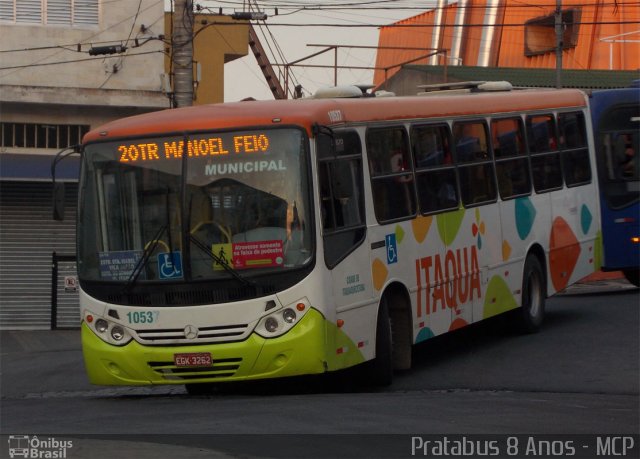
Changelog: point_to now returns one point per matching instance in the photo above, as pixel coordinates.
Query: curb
(602, 276)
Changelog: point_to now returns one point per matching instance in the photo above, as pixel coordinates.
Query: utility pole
(182, 53)
(559, 43)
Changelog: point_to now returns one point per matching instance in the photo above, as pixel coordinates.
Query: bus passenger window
(618, 146)
(475, 165)
(341, 195)
(470, 139)
(541, 131)
(435, 173)
(575, 152)
(547, 173)
(626, 155)
(545, 158)
(512, 164)
(391, 173)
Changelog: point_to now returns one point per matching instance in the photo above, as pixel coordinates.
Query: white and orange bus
(266, 239)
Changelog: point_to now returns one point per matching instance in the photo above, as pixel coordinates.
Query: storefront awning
(37, 168)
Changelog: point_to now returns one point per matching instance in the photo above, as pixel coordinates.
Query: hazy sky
(243, 77)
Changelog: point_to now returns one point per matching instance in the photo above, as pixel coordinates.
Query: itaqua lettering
(447, 282)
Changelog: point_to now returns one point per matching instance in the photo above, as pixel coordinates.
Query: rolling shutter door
(28, 238)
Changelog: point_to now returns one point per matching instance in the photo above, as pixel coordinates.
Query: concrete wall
(136, 69)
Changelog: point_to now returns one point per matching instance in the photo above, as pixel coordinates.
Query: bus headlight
(101, 325)
(117, 332)
(271, 324)
(106, 330)
(281, 321)
(289, 315)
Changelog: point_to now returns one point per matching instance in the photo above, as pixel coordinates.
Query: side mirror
(58, 201)
(58, 187)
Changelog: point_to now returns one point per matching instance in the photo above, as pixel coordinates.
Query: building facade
(65, 67)
(597, 35)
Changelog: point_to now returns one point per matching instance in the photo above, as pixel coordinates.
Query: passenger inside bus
(390, 167)
(627, 159)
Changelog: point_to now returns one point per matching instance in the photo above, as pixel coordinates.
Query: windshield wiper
(142, 262)
(221, 261)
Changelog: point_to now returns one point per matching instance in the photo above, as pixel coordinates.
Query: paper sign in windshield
(119, 265)
(259, 254)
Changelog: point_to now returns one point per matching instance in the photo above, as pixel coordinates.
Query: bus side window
(618, 145)
(543, 147)
(341, 194)
(436, 178)
(475, 165)
(626, 161)
(575, 151)
(512, 163)
(391, 173)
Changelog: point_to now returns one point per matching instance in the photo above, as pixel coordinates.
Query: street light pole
(182, 53)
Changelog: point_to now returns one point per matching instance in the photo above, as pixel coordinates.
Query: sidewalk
(599, 282)
(602, 276)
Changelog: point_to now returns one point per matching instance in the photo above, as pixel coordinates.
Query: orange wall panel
(598, 20)
(408, 37)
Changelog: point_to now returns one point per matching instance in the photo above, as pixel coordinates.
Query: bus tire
(633, 276)
(400, 316)
(379, 371)
(531, 314)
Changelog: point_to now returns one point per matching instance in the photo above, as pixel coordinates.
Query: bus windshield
(208, 206)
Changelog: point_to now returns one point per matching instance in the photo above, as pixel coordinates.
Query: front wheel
(633, 276)
(379, 371)
(531, 314)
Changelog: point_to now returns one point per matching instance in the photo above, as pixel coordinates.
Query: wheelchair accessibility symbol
(170, 265)
(392, 248)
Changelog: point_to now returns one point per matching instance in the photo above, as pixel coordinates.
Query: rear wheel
(633, 276)
(531, 314)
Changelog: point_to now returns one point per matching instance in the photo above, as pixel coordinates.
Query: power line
(362, 6)
(99, 32)
(72, 61)
(70, 46)
(410, 26)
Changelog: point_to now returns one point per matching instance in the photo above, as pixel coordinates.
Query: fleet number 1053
(142, 317)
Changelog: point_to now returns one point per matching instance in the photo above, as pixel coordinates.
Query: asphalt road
(579, 376)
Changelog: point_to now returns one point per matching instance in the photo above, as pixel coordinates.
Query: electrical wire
(414, 26)
(278, 50)
(39, 61)
(421, 7)
(43, 64)
(305, 8)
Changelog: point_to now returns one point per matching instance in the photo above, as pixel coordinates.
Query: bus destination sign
(209, 146)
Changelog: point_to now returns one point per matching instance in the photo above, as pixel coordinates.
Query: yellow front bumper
(300, 351)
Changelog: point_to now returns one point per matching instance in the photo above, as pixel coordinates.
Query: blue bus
(615, 115)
